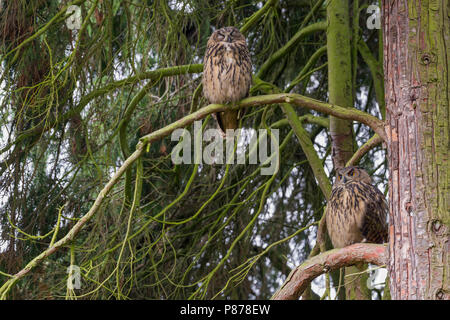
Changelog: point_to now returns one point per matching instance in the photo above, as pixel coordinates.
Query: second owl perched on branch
(227, 73)
(357, 210)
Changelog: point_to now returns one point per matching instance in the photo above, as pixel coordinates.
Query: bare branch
(295, 99)
(300, 277)
(370, 144)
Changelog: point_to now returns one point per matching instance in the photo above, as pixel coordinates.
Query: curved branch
(370, 144)
(374, 123)
(306, 118)
(295, 99)
(308, 149)
(300, 277)
(303, 32)
(257, 15)
(307, 68)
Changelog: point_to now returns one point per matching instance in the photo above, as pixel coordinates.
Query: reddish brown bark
(416, 49)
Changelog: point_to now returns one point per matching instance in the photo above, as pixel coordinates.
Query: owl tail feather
(227, 120)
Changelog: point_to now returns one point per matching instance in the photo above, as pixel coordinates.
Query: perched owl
(357, 210)
(227, 73)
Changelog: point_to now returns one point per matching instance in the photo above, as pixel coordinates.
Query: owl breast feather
(227, 76)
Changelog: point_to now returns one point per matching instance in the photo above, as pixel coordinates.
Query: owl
(227, 73)
(357, 210)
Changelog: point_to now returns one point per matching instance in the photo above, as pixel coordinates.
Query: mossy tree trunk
(340, 79)
(340, 82)
(416, 38)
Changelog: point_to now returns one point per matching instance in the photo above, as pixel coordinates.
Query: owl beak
(228, 39)
(344, 179)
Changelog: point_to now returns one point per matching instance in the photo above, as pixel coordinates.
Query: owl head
(344, 175)
(227, 35)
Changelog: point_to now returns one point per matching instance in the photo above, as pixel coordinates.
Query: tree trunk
(341, 93)
(416, 38)
(340, 79)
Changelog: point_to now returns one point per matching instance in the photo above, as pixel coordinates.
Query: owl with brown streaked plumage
(357, 210)
(227, 73)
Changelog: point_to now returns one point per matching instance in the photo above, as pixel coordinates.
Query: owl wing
(374, 225)
(342, 215)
